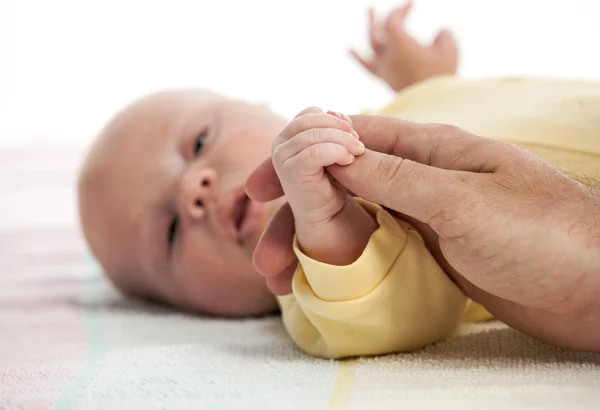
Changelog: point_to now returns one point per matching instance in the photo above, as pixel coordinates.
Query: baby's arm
(338, 239)
(393, 298)
(330, 226)
(366, 283)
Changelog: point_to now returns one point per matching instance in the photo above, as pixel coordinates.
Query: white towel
(68, 341)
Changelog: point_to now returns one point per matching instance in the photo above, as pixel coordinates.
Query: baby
(164, 209)
(163, 206)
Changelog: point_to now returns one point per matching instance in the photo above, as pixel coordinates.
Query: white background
(67, 65)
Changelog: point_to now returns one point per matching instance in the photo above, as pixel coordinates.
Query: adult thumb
(414, 189)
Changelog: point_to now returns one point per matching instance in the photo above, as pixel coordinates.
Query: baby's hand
(312, 141)
(399, 59)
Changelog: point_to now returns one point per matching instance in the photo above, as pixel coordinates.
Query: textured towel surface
(67, 341)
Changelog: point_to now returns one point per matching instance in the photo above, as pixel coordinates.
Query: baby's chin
(259, 303)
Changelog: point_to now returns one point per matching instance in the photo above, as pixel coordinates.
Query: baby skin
(330, 226)
(366, 284)
(164, 210)
(163, 206)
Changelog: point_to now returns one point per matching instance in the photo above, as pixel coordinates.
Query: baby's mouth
(240, 212)
(240, 218)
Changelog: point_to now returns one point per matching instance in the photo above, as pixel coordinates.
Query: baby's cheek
(203, 276)
(236, 165)
(257, 150)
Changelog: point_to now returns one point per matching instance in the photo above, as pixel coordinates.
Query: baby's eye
(199, 144)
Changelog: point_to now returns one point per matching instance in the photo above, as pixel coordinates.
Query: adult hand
(398, 58)
(513, 232)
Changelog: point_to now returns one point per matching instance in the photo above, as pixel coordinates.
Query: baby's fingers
(314, 138)
(368, 64)
(309, 119)
(340, 116)
(313, 159)
(376, 33)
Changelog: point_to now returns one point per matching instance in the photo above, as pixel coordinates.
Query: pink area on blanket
(43, 263)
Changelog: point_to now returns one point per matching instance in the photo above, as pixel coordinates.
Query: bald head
(156, 194)
(105, 181)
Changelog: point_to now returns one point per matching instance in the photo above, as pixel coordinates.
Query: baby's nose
(197, 191)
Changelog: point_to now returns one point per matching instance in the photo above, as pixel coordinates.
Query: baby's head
(162, 201)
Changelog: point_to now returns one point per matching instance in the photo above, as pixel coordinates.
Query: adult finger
(281, 284)
(263, 183)
(437, 145)
(419, 169)
(420, 191)
(274, 252)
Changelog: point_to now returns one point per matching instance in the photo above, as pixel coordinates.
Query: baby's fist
(312, 141)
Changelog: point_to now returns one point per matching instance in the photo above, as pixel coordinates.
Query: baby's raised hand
(312, 141)
(399, 59)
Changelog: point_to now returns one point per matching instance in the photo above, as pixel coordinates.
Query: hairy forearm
(340, 240)
(579, 329)
(594, 250)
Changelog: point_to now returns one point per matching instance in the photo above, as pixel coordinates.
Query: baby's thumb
(408, 187)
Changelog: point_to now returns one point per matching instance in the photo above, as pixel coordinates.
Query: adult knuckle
(463, 207)
(452, 220)
(440, 130)
(449, 130)
(389, 171)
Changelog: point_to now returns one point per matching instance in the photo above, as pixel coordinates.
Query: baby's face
(163, 205)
